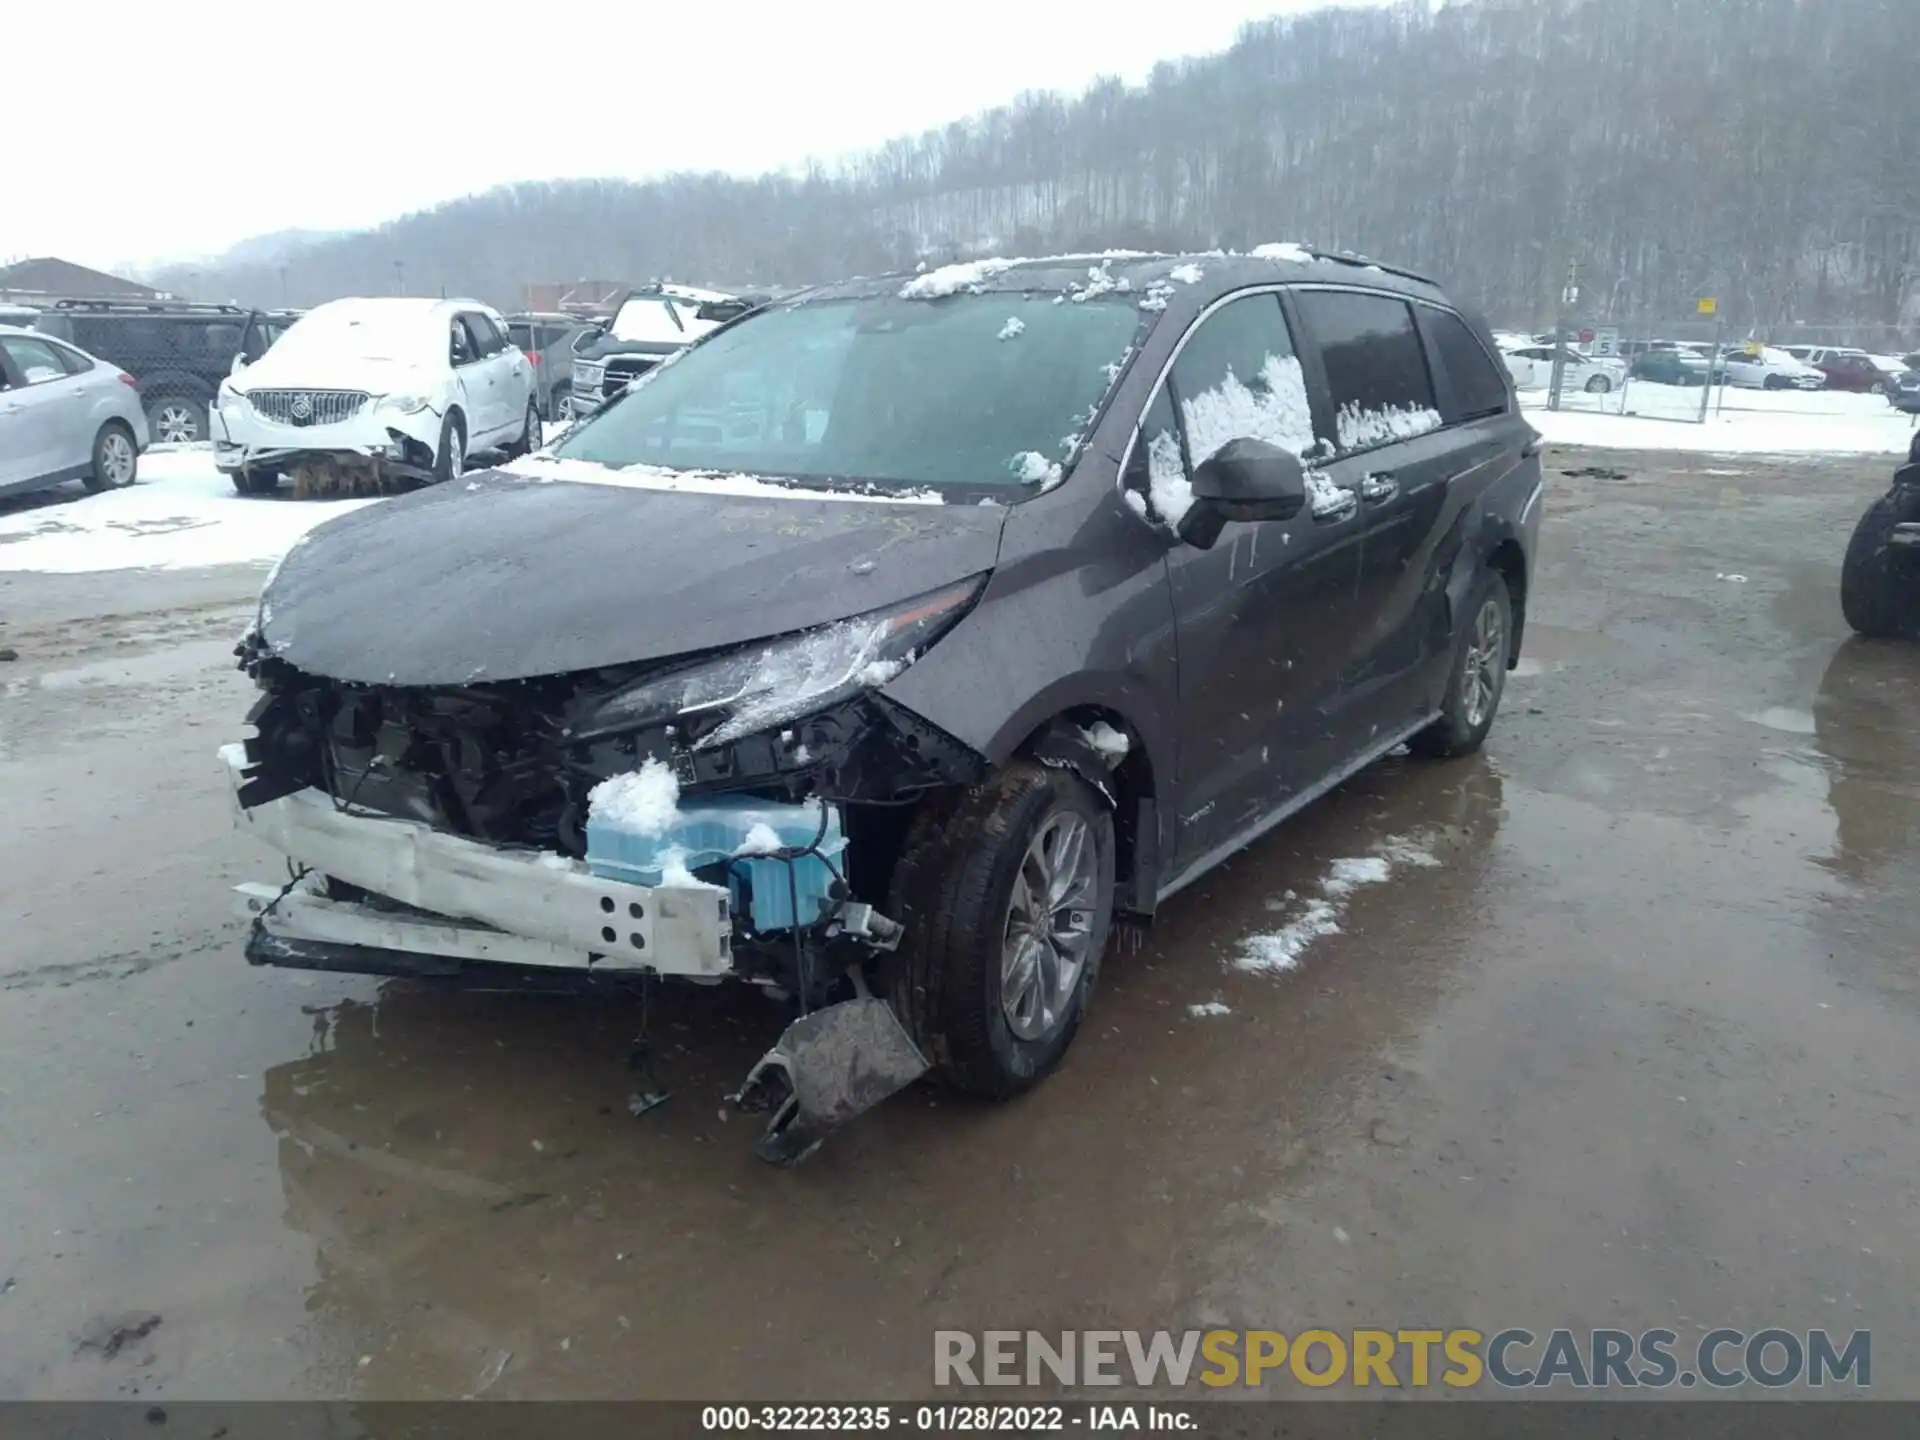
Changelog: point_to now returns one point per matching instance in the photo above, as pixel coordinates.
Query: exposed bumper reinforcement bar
(483, 903)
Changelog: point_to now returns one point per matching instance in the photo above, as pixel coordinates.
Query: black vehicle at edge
(1880, 577)
(1316, 605)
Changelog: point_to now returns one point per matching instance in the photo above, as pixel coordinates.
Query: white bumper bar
(530, 907)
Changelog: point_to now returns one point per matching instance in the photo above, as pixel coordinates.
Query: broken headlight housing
(765, 684)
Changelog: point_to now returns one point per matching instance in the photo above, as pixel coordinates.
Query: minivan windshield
(972, 391)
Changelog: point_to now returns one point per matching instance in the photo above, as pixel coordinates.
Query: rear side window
(523, 336)
(38, 361)
(1478, 388)
(1376, 368)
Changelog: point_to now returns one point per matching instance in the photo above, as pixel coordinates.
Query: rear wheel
(116, 461)
(176, 420)
(1479, 673)
(529, 434)
(1879, 601)
(1006, 893)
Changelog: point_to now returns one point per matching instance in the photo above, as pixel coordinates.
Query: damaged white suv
(361, 394)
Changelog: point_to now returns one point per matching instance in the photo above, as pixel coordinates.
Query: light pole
(400, 277)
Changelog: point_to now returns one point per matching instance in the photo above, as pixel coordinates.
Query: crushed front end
(453, 824)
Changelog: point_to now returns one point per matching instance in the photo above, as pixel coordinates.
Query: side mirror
(1246, 480)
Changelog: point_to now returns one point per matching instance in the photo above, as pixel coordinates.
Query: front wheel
(1774, 382)
(255, 482)
(1598, 385)
(450, 460)
(1879, 601)
(1478, 674)
(1006, 893)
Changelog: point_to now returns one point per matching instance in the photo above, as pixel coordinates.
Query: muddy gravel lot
(1639, 1050)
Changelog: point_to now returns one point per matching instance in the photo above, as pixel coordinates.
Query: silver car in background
(65, 415)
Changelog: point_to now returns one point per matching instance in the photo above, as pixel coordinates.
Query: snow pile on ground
(1740, 422)
(181, 514)
(1208, 1010)
(1320, 914)
(640, 802)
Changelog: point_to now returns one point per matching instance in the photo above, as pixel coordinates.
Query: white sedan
(1532, 369)
(359, 393)
(65, 415)
(1771, 369)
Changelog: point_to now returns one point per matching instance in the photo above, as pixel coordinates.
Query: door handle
(1375, 488)
(1332, 503)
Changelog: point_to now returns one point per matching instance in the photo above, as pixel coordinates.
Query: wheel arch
(1130, 787)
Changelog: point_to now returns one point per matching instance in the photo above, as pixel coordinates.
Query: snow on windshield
(876, 392)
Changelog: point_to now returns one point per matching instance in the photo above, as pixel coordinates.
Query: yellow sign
(1707, 305)
(1753, 347)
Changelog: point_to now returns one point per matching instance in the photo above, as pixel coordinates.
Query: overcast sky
(188, 126)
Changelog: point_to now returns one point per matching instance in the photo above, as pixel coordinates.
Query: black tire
(1878, 601)
(116, 459)
(1597, 385)
(255, 482)
(557, 402)
(1465, 718)
(1773, 382)
(954, 891)
(453, 436)
(176, 419)
(529, 440)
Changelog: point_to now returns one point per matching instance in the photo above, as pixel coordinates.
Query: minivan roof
(1219, 270)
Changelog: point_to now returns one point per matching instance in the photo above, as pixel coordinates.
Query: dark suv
(1007, 599)
(177, 351)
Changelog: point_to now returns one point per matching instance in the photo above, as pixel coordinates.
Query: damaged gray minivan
(891, 646)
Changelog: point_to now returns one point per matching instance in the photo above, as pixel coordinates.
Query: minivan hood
(502, 577)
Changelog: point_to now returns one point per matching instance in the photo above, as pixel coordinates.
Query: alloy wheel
(174, 423)
(1486, 654)
(116, 458)
(1049, 926)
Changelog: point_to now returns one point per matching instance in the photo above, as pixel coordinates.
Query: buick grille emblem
(303, 407)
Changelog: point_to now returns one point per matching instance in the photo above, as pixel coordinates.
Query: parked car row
(1691, 362)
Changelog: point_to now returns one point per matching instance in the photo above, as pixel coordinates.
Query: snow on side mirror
(239, 364)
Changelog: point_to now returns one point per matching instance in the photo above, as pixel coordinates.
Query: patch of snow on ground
(1320, 915)
(1274, 409)
(1361, 429)
(1186, 274)
(1013, 329)
(641, 802)
(1208, 1010)
(1740, 422)
(181, 514)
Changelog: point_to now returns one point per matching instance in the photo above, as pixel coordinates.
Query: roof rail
(147, 307)
(1347, 257)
